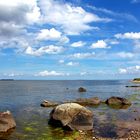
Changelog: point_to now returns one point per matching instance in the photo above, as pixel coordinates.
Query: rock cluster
(119, 102)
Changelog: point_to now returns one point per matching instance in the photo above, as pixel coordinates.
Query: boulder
(117, 101)
(46, 103)
(81, 89)
(71, 116)
(7, 121)
(88, 101)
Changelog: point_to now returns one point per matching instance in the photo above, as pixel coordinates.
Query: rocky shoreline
(132, 135)
(75, 115)
(113, 102)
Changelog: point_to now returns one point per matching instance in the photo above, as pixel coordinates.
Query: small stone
(135, 111)
(81, 89)
(132, 132)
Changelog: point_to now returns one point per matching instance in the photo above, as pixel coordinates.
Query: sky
(69, 39)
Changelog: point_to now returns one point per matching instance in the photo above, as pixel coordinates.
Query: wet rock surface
(88, 101)
(7, 124)
(47, 103)
(71, 116)
(7, 121)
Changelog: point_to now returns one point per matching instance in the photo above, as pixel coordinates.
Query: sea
(23, 99)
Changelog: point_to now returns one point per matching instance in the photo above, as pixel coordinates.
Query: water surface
(23, 99)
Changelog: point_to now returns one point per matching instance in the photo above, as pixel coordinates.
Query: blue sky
(69, 39)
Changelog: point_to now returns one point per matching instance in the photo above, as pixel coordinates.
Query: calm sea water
(23, 99)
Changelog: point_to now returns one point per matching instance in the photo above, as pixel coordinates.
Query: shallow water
(23, 99)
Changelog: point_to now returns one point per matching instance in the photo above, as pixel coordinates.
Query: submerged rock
(71, 116)
(88, 101)
(118, 101)
(46, 103)
(7, 121)
(81, 89)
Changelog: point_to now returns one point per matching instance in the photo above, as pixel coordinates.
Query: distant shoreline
(6, 79)
(64, 79)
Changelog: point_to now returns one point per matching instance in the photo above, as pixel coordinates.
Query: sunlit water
(23, 99)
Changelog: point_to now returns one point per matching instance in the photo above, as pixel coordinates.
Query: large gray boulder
(7, 121)
(71, 116)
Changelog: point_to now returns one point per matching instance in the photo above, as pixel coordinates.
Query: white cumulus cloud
(46, 34)
(122, 71)
(44, 50)
(130, 70)
(83, 55)
(49, 73)
(61, 61)
(78, 44)
(125, 54)
(72, 63)
(84, 73)
(13, 74)
(128, 35)
(73, 20)
(100, 44)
